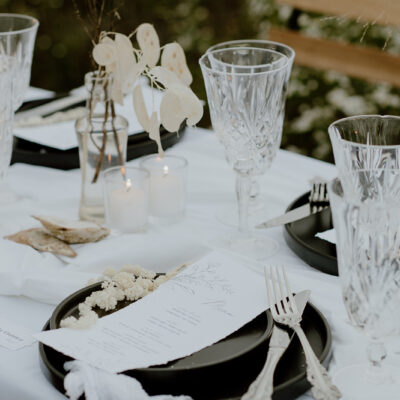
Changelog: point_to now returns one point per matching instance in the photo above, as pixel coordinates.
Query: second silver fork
(284, 311)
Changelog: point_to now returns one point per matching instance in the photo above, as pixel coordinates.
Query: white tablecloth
(210, 186)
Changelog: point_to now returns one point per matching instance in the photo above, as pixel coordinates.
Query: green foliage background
(316, 98)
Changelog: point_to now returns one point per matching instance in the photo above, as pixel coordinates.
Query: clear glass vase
(102, 138)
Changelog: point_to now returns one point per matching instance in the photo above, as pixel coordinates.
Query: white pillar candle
(167, 186)
(167, 194)
(127, 209)
(126, 194)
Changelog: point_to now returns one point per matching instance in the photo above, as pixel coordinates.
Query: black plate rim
(296, 238)
(323, 357)
(96, 286)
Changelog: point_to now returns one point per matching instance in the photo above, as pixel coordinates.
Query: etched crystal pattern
(367, 221)
(366, 142)
(247, 115)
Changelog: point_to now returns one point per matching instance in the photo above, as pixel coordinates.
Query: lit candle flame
(165, 170)
(128, 185)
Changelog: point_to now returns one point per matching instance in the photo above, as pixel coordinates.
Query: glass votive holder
(126, 199)
(167, 186)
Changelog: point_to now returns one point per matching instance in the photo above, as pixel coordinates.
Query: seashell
(41, 240)
(73, 231)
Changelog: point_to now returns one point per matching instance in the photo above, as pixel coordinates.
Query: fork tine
(283, 294)
(290, 294)
(269, 291)
(277, 297)
(286, 302)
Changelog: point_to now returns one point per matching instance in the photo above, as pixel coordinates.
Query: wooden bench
(357, 61)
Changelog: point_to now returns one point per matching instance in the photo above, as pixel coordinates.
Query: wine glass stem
(243, 187)
(376, 354)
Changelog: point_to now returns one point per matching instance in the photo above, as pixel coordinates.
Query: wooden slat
(360, 62)
(384, 12)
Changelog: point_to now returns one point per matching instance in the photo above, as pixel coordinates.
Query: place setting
(137, 284)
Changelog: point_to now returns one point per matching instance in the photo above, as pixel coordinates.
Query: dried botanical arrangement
(129, 284)
(115, 56)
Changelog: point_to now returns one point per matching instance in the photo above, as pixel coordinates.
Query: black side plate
(300, 237)
(139, 145)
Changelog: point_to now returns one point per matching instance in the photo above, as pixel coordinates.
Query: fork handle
(317, 375)
(262, 387)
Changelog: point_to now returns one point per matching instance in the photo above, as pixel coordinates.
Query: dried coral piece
(73, 231)
(41, 240)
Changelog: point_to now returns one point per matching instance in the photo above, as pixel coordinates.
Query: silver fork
(284, 311)
(318, 197)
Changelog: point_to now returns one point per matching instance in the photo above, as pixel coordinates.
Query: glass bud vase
(102, 138)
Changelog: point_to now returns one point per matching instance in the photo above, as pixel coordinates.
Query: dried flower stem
(104, 143)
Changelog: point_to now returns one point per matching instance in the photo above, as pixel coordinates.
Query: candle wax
(127, 209)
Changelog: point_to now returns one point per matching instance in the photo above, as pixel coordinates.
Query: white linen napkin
(101, 385)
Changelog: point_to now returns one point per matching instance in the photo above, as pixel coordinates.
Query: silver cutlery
(318, 200)
(50, 107)
(286, 312)
(263, 385)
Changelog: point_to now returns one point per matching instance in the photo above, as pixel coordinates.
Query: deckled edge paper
(204, 303)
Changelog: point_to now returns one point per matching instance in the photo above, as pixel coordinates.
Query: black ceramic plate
(222, 371)
(139, 145)
(300, 237)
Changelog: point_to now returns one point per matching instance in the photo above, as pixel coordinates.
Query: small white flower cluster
(117, 55)
(131, 283)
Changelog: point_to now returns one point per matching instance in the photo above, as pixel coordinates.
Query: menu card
(204, 303)
(13, 336)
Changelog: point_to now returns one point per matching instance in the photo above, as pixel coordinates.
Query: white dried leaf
(190, 107)
(154, 132)
(104, 54)
(171, 113)
(173, 58)
(140, 108)
(107, 40)
(164, 76)
(117, 93)
(149, 43)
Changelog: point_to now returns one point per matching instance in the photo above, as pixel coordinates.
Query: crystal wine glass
(17, 38)
(366, 215)
(257, 203)
(365, 142)
(246, 95)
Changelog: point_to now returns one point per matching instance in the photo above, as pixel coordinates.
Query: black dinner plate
(300, 237)
(138, 145)
(219, 372)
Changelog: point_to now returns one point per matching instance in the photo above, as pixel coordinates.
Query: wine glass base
(355, 384)
(254, 247)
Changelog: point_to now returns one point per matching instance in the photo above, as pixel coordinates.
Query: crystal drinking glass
(17, 39)
(6, 117)
(366, 215)
(257, 204)
(246, 88)
(366, 142)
